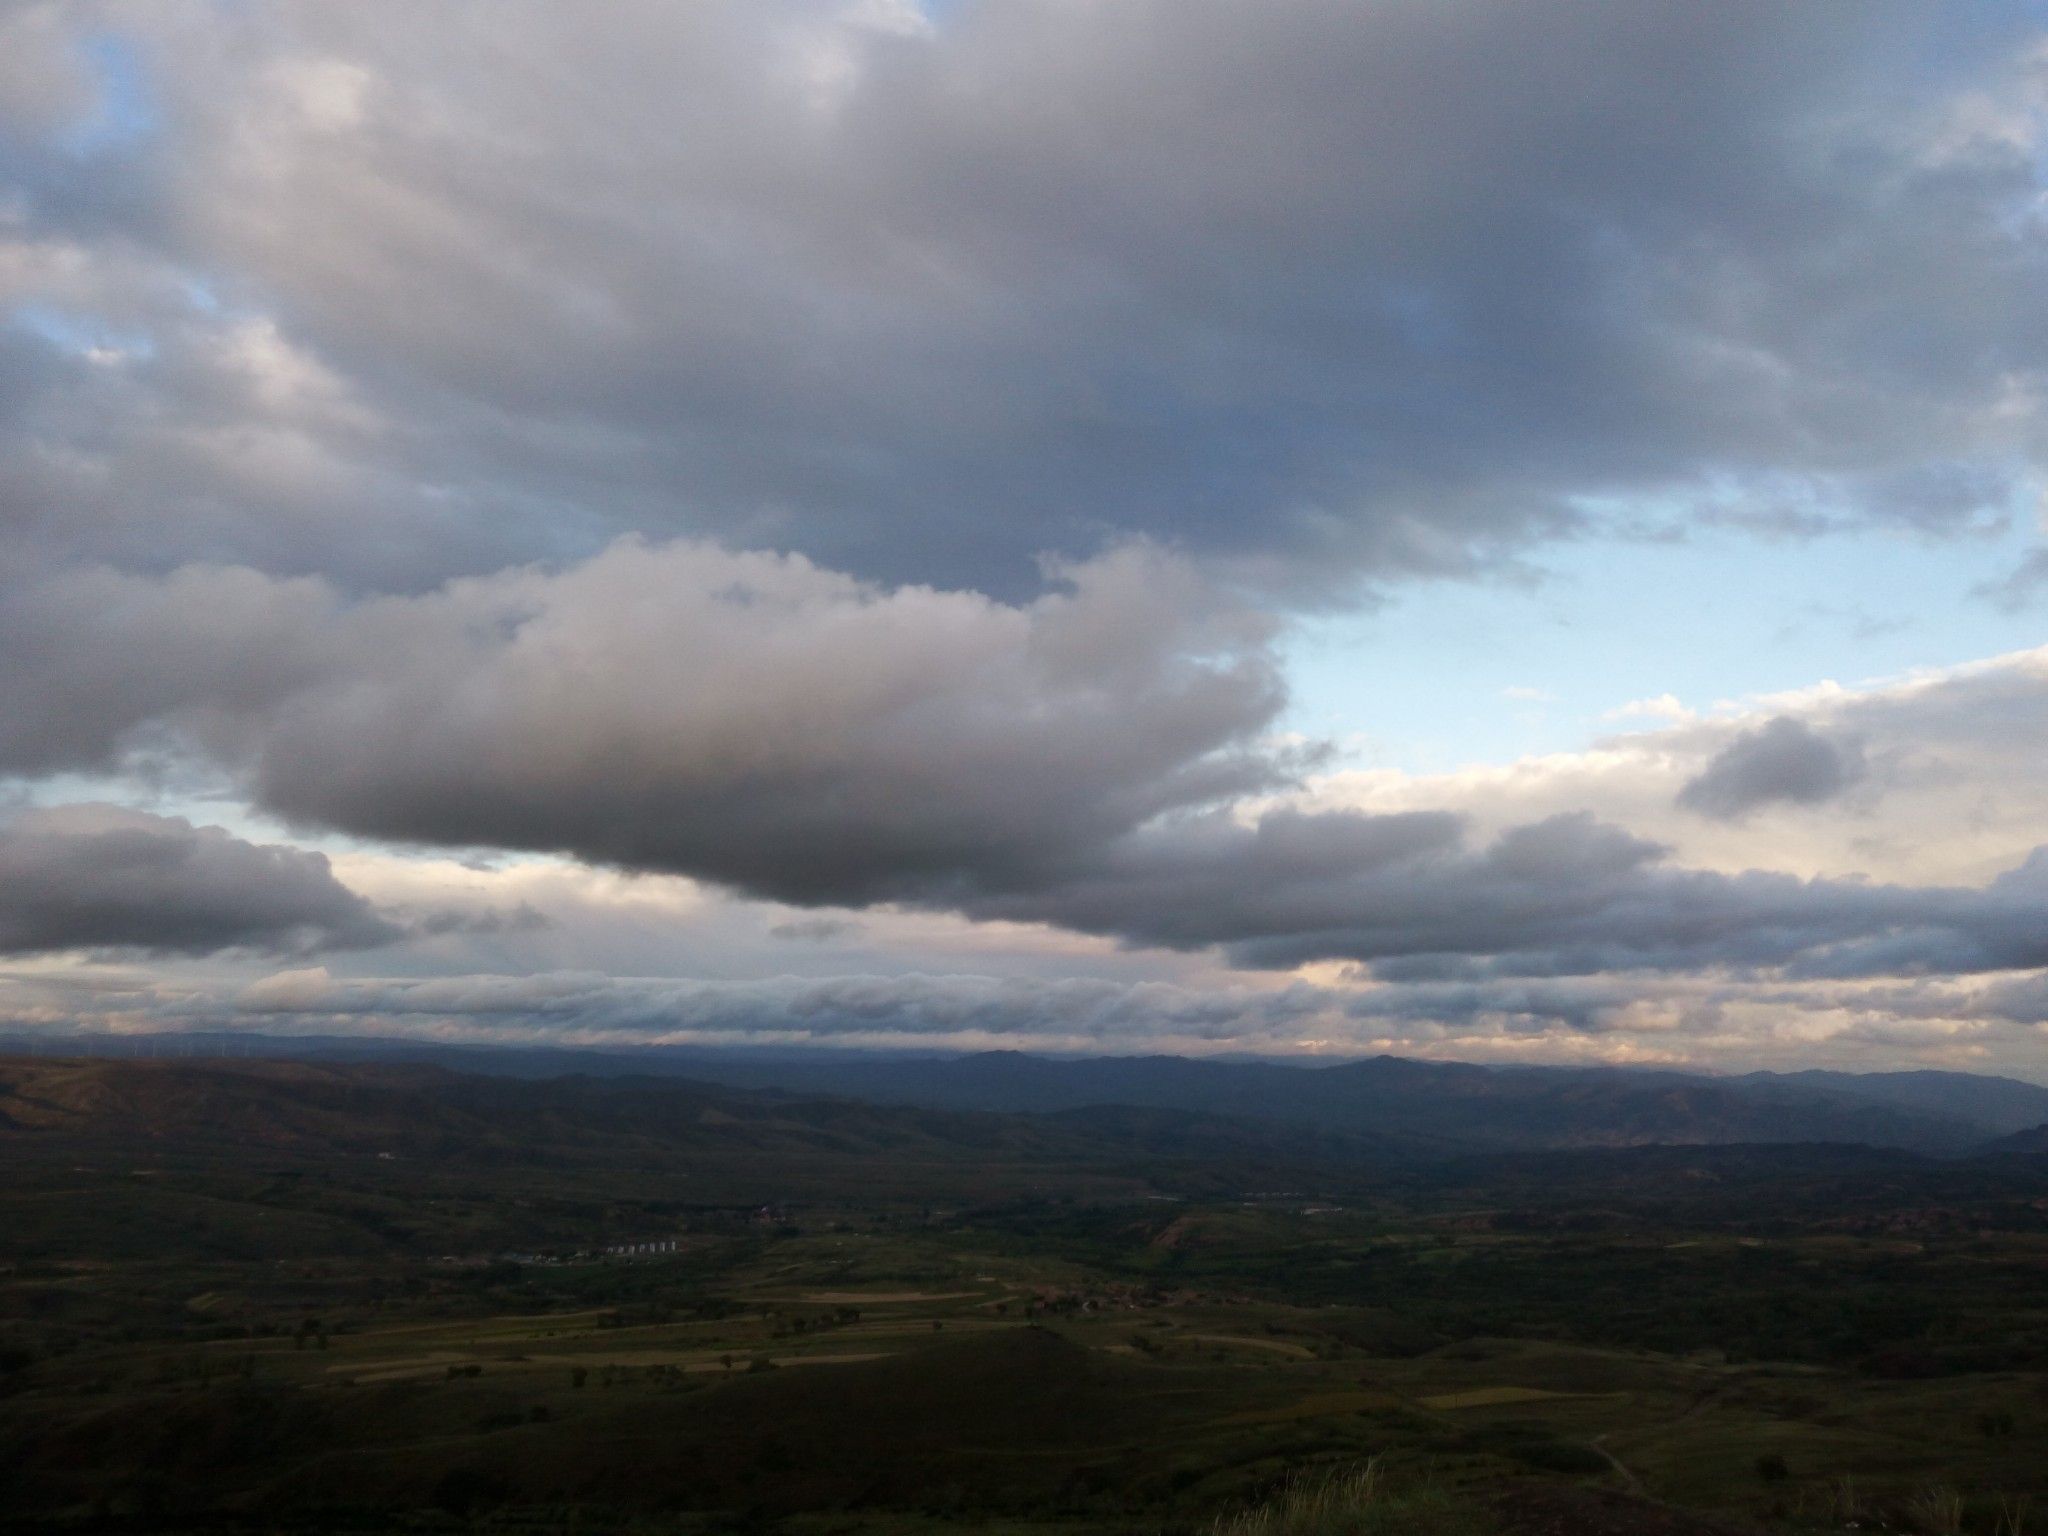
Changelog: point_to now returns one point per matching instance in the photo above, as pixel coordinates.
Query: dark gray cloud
(816, 930)
(1997, 1023)
(1782, 762)
(522, 918)
(99, 877)
(1412, 897)
(1581, 1005)
(779, 728)
(96, 656)
(968, 1008)
(903, 1005)
(1309, 290)
(747, 719)
(1083, 760)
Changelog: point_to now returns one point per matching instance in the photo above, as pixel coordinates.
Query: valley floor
(198, 1337)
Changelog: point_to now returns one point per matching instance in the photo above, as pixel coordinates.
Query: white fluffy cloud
(1948, 787)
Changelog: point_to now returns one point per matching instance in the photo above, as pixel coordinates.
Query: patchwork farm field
(344, 1340)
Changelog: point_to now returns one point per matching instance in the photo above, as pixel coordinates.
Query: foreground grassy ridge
(317, 1337)
(1358, 1501)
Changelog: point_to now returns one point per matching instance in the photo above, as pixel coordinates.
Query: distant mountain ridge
(1448, 1103)
(424, 1110)
(2032, 1142)
(1999, 1104)
(1386, 1102)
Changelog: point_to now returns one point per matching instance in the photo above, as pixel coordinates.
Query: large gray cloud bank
(1410, 895)
(915, 1004)
(1087, 760)
(1309, 289)
(749, 719)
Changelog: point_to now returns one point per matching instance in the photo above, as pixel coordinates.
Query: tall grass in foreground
(1352, 1501)
(1938, 1510)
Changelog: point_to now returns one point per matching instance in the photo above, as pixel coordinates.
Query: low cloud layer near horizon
(761, 520)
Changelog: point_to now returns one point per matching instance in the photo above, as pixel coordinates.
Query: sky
(1473, 530)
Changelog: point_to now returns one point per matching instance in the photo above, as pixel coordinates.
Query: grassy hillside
(334, 1296)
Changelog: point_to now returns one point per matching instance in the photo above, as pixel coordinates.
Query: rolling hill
(1444, 1104)
(417, 1110)
(1383, 1108)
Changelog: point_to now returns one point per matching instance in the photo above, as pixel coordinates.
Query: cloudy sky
(1471, 529)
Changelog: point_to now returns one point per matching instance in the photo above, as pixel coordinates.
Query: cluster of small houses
(1056, 1300)
(653, 1250)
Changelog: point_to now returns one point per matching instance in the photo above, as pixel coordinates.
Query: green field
(312, 1338)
